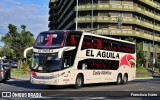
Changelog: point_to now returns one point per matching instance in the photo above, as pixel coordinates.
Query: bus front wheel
(119, 79)
(79, 81)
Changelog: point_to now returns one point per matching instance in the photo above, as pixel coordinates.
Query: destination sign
(45, 50)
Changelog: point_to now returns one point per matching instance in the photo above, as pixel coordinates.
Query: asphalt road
(141, 88)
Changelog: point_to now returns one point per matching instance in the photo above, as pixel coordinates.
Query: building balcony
(131, 8)
(66, 18)
(53, 16)
(120, 32)
(106, 19)
(66, 10)
(51, 3)
(150, 3)
(53, 22)
(53, 9)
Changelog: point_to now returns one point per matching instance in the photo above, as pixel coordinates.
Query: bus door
(70, 55)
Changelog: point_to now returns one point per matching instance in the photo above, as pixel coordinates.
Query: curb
(20, 78)
(25, 79)
(145, 78)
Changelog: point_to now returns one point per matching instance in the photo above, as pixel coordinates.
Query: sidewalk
(21, 77)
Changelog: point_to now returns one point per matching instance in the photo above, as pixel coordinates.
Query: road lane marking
(152, 87)
(57, 95)
(127, 90)
(96, 98)
(140, 89)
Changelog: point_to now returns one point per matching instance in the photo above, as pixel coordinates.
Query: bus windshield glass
(45, 62)
(51, 39)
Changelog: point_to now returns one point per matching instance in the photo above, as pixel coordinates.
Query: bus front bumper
(46, 81)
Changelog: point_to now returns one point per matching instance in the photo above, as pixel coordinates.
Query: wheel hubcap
(125, 79)
(119, 79)
(79, 82)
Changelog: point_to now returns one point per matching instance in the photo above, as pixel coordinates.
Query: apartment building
(139, 19)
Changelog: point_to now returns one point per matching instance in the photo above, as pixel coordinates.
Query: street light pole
(77, 15)
(153, 59)
(92, 17)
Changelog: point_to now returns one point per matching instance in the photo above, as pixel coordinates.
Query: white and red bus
(77, 58)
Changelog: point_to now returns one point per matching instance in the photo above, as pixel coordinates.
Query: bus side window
(87, 43)
(73, 41)
(107, 45)
(115, 46)
(67, 62)
(123, 48)
(128, 49)
(94, 45)
(133, 49)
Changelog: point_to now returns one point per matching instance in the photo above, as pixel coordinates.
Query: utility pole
(153, 58)
(92, 17)
(77, 15)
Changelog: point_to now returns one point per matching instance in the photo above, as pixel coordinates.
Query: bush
(157, 63)
(25, 67)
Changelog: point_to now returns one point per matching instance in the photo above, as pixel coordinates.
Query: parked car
(5, 72)
(14, 64)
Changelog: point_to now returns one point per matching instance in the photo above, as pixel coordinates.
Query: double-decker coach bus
(77, 58)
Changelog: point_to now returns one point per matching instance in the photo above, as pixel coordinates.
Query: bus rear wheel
(125, 79)
(119, 79)
(79, 82)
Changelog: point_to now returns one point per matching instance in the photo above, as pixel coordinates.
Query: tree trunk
(19, 65)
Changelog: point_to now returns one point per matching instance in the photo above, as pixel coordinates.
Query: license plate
(41, 82)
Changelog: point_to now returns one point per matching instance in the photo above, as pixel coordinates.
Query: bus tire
(79, 81)
(125, 79)
(119, 79)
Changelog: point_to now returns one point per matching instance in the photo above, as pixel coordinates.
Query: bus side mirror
(65, 49)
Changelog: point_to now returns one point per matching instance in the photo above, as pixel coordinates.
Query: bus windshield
(51, 39)
(46, 62)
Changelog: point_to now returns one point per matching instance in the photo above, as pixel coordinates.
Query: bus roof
(87, 33)
(51, 31)
(106, 37)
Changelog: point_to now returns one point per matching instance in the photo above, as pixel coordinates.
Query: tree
(18, 41)
(131, 39)
(140, 58)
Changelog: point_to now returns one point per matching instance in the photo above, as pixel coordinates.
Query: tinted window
(98, 64)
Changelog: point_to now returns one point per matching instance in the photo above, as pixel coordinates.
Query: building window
(115, 14)
(116, 2)
(103, 1)
(127, 2)
(127, 15)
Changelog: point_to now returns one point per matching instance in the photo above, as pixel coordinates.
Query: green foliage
(157, 63)
(18, 41)
(140, 58)
(131, 39)
(25, 67)
(9, 53)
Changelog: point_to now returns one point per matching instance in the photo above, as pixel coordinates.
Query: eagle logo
(128, 60)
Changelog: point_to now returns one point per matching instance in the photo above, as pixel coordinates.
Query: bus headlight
(57, 75)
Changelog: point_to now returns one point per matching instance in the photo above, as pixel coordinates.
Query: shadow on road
(26, 84)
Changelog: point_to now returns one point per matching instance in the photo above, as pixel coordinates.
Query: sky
(32, 13)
